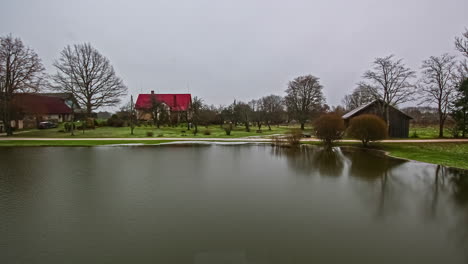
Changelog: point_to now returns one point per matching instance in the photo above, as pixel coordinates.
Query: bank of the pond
(447, 154)
(451, 154)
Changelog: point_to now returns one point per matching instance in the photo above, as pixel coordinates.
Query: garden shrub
(329, 127)
(228, 129)
(149, 133)
(367, 128)
(90, 122)
(293, 138)
(115, 121)
(207, 132)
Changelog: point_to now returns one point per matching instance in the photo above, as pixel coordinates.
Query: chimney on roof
(152, 92)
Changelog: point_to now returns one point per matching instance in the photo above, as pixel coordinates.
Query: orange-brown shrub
(329, 127)
(293, 138)
(367, 128)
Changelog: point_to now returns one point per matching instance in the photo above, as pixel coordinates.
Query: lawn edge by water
(450, 154)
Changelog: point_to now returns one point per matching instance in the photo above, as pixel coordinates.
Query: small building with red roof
(175, 104)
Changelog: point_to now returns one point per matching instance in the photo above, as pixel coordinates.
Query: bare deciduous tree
(361, 95)
(195, 112)
(243, 113)
(461, 43)
(89, 76)
(21, 70)
(258, 113)
(304, 93)
(391, 81)
(132, 115)
(438, 85)
(273, 106)
(158, 111)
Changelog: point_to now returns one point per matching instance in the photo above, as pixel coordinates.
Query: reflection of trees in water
(376, 170)
(379, 172)
(370, 166)
(458, 187)
(459, 181)
(312, 159)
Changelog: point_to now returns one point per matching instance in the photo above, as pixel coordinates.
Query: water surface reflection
(228, 204)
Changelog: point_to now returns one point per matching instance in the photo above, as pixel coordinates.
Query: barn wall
(399, 123)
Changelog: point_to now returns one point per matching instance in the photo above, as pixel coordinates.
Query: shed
(399, 121)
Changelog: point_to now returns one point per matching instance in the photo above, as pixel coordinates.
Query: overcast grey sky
(244, 49)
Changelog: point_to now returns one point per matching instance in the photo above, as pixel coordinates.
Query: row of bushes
(367, 128)
(331, 127)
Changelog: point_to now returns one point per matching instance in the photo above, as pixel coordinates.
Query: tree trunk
(88, 110)
(441, 128)
(387, 117)
(302, 126)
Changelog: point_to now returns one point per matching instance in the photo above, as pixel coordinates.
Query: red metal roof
(40, 104)
(176, 102)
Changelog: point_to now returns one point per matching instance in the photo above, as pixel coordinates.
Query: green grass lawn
(447, 154)
(140, 132)
(427, 132)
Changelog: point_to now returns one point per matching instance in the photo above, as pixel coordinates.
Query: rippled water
(227, 204)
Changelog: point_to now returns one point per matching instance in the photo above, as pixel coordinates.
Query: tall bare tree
(438, 85)
(304, 94)
(461, 43)
(361, 95)
(89, 76)
(21, 70)
(391, 82)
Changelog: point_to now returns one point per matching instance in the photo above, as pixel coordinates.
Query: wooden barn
(399, 121)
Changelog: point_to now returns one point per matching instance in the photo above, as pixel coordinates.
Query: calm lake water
(227, 204)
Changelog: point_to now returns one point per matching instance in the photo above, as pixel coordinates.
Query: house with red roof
(30, 109)
(176, 104)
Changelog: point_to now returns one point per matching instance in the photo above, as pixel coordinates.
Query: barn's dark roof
(356, 111)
